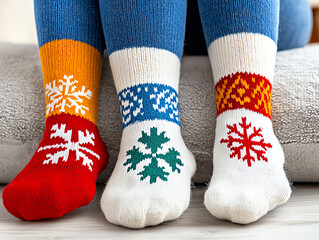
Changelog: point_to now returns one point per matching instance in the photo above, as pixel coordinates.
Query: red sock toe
(62, 173)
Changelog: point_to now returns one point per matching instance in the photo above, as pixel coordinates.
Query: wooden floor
(298, 219)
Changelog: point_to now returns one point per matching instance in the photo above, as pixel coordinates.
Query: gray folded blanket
(295, 111)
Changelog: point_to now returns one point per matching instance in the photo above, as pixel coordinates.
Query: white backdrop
(17, 23)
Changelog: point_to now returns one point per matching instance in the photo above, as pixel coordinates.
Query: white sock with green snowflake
(151, 180)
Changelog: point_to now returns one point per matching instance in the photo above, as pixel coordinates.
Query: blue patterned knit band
(148, 102)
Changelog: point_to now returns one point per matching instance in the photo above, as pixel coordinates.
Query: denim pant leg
(295, 24)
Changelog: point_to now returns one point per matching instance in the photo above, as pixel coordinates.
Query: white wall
(17, 21)
(314, 3)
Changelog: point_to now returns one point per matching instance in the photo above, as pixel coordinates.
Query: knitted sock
(248, 177)
(61, 174)
(151, 180)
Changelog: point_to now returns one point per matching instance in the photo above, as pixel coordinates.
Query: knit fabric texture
(248, 178)
(151, 180)
(62, 173)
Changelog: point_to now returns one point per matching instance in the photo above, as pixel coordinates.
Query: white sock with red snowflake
(151, 180)
(248, 177)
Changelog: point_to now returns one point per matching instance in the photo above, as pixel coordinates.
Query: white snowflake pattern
(65, 95)
(170, 102)
(59, 132)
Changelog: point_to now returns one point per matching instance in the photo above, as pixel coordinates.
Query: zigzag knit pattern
(244, 90)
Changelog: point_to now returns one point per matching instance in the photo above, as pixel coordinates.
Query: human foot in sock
(248, 177)
(151, 180)
(62, 173)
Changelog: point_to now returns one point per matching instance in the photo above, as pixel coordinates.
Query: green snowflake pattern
(153, 142)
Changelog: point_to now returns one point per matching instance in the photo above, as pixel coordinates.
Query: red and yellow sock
(62, 173)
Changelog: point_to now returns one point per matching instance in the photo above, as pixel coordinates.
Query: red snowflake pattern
(242, 141)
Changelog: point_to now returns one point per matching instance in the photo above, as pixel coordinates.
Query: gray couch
(295, 111)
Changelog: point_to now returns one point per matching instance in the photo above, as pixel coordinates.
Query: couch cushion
(295, 111)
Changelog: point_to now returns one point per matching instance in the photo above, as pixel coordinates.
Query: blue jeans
(295, 27)
(295, 24)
